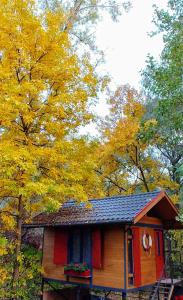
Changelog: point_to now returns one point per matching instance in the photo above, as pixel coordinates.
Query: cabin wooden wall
(49, 268)
(112, 273)
(147, 258)
(150, 220)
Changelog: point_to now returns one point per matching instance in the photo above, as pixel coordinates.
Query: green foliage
(179, 170)
(54, 285)
(78, 267)
(28, 284)
(163, 86)
(3, 242)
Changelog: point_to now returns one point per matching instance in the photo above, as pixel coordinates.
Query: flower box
(77, 270)
(84, 274)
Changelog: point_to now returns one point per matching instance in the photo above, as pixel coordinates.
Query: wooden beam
(152, 203)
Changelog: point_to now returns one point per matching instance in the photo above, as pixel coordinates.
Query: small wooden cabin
(117, 244)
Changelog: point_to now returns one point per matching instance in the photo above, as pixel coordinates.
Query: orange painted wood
(153, 202)
(150, 220)
(112, 272)
(50, 270)
(79, 280)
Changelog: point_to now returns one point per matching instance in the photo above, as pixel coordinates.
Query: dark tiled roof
(107, 210)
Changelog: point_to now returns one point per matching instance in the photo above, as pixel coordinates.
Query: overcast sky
(126, 44)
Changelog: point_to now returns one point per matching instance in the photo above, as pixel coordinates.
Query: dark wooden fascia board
(152, 203)
(105, 223)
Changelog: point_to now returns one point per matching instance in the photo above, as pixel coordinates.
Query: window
(80, 246)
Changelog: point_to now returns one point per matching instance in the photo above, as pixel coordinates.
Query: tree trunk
(144, 179)
(15, 274)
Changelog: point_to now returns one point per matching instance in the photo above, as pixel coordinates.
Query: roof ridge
(121, 196)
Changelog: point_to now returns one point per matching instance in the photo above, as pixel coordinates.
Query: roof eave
(151, 204)
(112, 222)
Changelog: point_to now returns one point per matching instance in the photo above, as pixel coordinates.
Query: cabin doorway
(159, 252)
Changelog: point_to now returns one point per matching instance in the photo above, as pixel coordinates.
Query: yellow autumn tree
(45, 97)
(128, 163)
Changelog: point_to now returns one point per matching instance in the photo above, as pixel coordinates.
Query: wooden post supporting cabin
(78, 294)
(123, 296)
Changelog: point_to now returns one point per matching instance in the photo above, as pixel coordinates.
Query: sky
(126, 45)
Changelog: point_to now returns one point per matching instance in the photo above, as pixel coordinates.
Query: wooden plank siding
(148, 259)
(112, 272)
(161, 201)
(150, 220)
(79, 280)
(49, 268)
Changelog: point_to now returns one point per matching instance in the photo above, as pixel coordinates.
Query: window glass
(87, 246)
(75, 246)
(80, 246)
(130, 256)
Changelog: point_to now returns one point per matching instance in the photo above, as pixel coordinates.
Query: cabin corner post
(42, 279)
(124, 295)
(78, 293)
(91, 261)
(125, 262)
(42, 250)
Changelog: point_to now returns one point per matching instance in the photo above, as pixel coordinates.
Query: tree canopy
(163, 86)
(46, 93)
(128, 161)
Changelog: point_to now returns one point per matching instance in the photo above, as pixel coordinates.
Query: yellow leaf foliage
(46, 91)
(127, 162)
